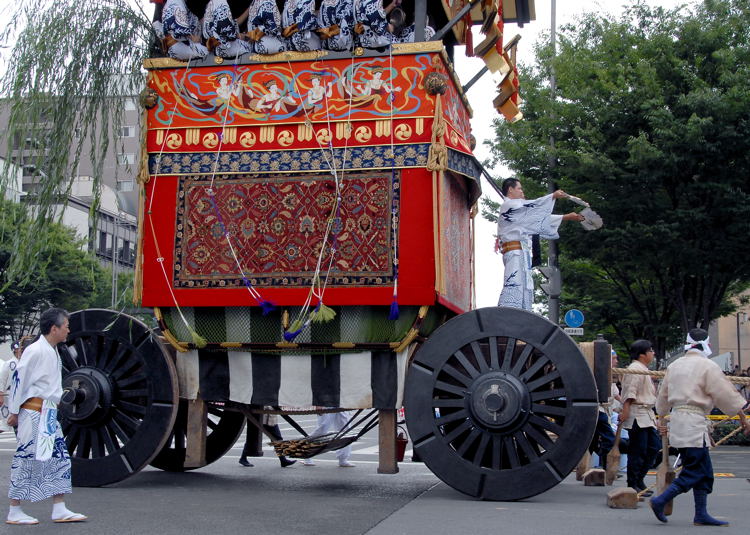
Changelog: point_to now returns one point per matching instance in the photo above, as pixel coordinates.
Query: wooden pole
(387, 442)
(197, 423)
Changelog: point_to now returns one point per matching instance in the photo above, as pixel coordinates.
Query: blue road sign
(573, 318)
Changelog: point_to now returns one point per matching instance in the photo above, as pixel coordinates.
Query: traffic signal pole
(552, 270)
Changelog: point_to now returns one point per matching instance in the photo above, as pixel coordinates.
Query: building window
(127, 131)
(125, 185)
(126, 158)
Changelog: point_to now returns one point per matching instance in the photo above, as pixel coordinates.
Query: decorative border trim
(300, 161)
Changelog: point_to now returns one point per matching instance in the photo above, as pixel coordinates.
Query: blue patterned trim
(279, 161)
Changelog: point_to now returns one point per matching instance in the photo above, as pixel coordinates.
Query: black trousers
(642, 450)
(252, 447)
(697, 471)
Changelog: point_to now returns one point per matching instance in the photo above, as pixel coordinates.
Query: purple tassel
(394, 310)
(289, 336)
(267, 307)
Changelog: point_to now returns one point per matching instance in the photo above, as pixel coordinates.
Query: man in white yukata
(692, 387)
(333, 422)
(41, 464)
(519, 219)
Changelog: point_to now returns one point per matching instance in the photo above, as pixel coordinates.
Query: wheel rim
(224, 429)
(500, 403)
(120, 397)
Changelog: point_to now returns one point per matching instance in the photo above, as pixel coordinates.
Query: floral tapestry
(272, 230)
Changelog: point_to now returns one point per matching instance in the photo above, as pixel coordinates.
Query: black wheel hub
(499, 402)
(87, 395)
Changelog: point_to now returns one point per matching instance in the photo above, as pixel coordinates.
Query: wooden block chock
(594, 478)
(583, 466)
(622, 498)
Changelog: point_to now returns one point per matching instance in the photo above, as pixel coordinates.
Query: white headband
(704, 346)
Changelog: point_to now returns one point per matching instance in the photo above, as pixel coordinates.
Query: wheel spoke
(67, 360)
(510, 447)
(139, 393)
(109, 439)
(71, 439)
(552, 410)
(473, 435)
(470, 368)
(119, 432)
(97, 446)
(132, 408)
(126, 421)
(445, 387)
(457, 375)
(448, 403)
(546, 424)
(84, 448)
(127, 381)
(81, 344)
(450, 437)
(526, 446)
(542, 395)
(540, 437)
(538, 365)
(522, 358)
(114, 361)
(479, 357)
(497, 452)
(543, 380)
(494, 363)
(481, 449)
(458, 415)
(510, 348)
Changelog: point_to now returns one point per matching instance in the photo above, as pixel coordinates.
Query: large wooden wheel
(224, 429)
(500, 403)
(120, 398)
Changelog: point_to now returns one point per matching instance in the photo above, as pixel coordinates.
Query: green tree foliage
(651, 125)
(68, 64)
(66, 276)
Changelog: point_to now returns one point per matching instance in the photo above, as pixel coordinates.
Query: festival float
(306, 238)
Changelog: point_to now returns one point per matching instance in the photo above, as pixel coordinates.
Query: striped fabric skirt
(368, 379)
(37, 480)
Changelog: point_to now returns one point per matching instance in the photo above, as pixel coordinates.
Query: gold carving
(454, 138)
(267, 134)
(420, 126)
(343, 130)
(192, 136)
(174, 141)
(286, 138)
(159, 137)
(163, 63)
(402, 132)
(383, 128)
(410, 48)
(247, 139)
(289, 56)
(218, 60)
(363, 134)
(304, 132)
(230, 135)
(323, 136)
(210, 140)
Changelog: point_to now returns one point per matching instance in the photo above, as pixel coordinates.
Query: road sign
(574, 331)
(574, 318)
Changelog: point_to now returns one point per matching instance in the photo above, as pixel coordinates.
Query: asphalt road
(325, 499)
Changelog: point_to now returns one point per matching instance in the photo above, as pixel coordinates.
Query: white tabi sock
(16, 514)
